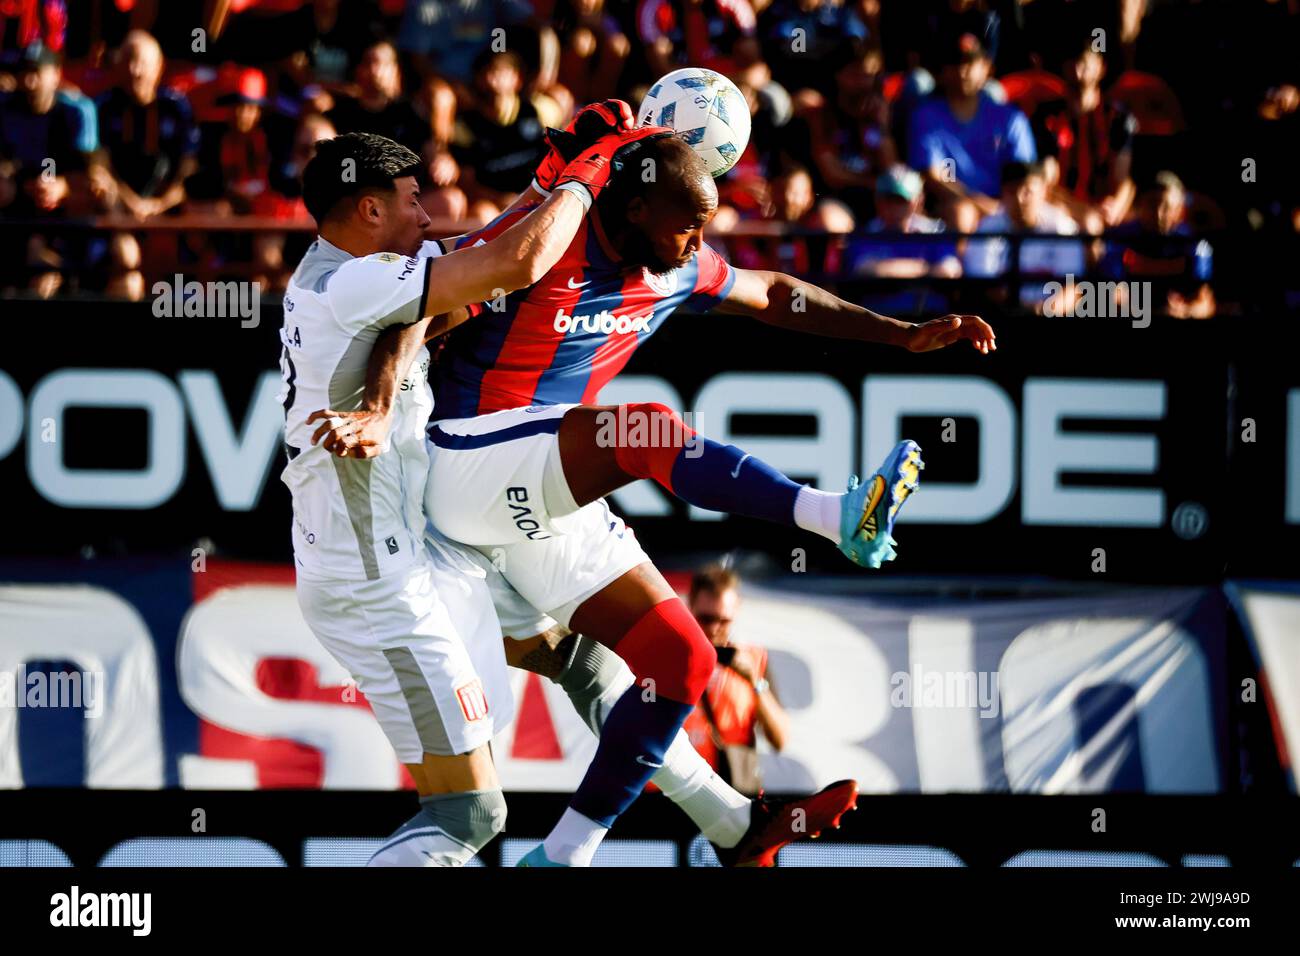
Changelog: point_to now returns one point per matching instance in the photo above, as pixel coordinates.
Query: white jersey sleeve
(353, 519)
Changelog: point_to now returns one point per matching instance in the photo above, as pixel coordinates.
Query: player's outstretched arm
(518, 257)
(588, 125)
(525, 252)
(782, 300)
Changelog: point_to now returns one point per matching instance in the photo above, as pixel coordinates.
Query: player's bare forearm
(790, 303)
(518, 257)
(361, 432)
(390, 360)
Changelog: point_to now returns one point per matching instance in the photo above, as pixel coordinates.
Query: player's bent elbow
(514, 274)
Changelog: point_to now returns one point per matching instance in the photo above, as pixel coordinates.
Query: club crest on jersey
(386, 257)
(661, 285)
(603, 322)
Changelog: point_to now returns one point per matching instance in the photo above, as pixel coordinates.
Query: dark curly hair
(347, 166)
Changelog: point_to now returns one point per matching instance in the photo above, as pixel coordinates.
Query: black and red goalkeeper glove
(594, 166)
(590, 124)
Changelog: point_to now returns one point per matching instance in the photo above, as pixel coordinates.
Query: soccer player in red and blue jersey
(520, 459)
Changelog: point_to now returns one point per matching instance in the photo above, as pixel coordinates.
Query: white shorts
(424, 646)
(489, 481)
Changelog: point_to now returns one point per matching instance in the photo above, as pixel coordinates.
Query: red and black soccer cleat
(776, 821)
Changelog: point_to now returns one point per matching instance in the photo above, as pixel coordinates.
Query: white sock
(719, 810)
(818, 511)
(574, 840)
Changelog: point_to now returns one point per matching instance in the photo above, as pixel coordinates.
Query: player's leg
(672, 660)
(603, 448)
(497, 481)
(461, 808)
(744, 831)
(437, 698)
(594, 678)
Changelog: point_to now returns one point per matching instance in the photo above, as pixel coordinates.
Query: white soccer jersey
(352, 518)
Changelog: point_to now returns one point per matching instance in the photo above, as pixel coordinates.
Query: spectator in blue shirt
(45, 152)
(449, 36)
(961, 138)
(898, 208)
(1159, 246)
(883, 254)
(1025, 209)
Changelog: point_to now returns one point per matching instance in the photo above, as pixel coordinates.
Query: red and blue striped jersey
(562, 339)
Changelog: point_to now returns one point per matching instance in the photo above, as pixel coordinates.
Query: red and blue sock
(707, 473)
(673, 661)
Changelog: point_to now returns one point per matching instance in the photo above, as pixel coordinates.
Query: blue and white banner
(210, 679)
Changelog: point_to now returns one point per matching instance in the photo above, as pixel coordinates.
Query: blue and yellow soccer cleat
(868, 510)
(537, 857)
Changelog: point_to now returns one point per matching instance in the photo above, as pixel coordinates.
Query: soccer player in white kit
(414, 623)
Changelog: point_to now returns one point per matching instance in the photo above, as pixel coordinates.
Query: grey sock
(589, 672)
(472, 817)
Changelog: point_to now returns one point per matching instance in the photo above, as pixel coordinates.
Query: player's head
(714, 600)
(660, 204)
(364, 187)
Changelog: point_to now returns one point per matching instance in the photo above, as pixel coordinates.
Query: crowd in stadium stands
(884, 131)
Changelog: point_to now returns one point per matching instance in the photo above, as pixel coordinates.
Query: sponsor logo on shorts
(522, 515)
(473, 702)
(603, 322)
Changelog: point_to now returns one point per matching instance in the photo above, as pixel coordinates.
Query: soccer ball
(706, 109)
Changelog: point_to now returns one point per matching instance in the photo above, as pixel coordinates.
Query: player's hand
(590, 124)
(940, 333)
(596, 165)
(351, 434)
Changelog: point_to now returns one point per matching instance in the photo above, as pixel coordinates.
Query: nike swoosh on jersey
(736, 472)
(578, 285)
(640, 759)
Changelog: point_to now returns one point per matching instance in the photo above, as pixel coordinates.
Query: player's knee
(667, 647)
(648, 434)
(448, 831)
(473, 818)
